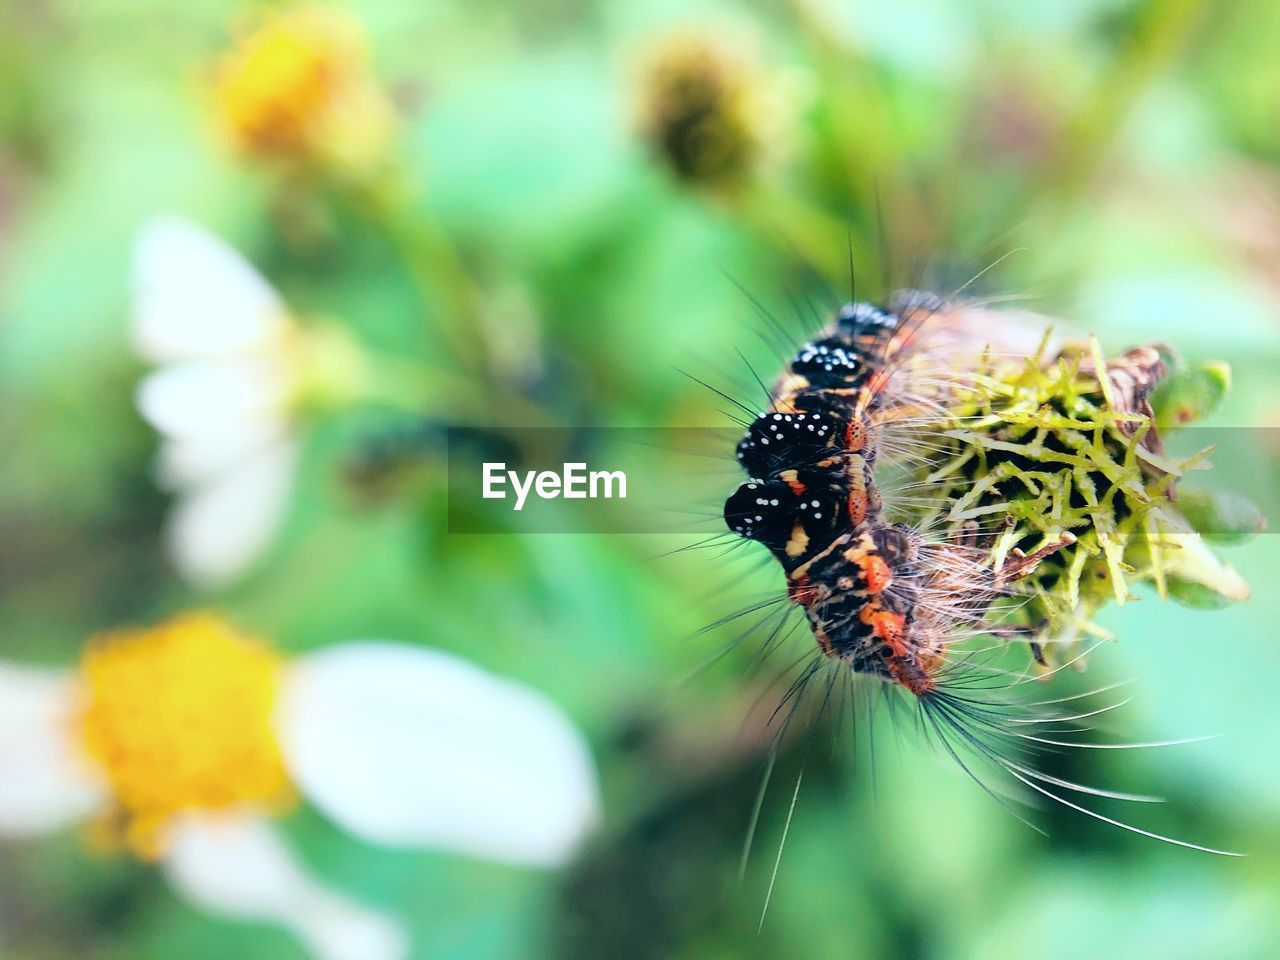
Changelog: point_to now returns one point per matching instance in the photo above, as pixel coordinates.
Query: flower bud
(1196, 577)
(1221, 516)
(1190, 395)
(707, 108)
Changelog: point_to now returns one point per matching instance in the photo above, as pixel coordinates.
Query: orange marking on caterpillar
(857, 506)
(887, 627)
(877, 382)
(875, 572)
(901, 661)
(800, 592)
(859, 495)
(855, 436)
(906, 664)
(791, 479)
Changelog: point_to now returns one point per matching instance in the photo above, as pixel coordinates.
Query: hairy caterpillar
(872, 597)
(881, 599)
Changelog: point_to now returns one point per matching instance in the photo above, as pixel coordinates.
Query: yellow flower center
(329, 368)
(179, 718)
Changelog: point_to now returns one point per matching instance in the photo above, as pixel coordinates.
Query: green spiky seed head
(1065, 451)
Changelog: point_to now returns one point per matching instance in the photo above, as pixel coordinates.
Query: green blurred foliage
(1125, 156)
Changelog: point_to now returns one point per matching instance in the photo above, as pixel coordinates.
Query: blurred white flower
(187, 738)
(235, 371)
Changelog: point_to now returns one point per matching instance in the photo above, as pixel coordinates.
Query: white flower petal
(198, 396)
(219, 529)
(44, 782)
(189, 461)
(411, 747)
(238, 867)
(194, 296)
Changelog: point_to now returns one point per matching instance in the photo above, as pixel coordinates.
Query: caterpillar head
(775, 440)
(763, 510)
(790, 522)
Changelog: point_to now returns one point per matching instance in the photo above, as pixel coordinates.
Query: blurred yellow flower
(301, 89)
(192, 736)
